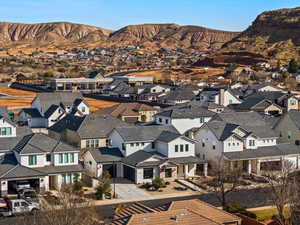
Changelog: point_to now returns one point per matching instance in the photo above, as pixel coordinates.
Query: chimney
(222, 96)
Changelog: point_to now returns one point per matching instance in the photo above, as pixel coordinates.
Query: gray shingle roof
(222, 130)
(250, 121)
(40, 144)
(265, 152)
(179, 94)
(294, 115)
(57, 98)
(138, 158)
(32, 112)
(106, 154)
(143, 133)
(167, 136)
(51, 110)
(98, 126)
(60, 169)
(187, 111)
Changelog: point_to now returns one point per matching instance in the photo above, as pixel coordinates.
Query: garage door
(129, 173)
(111, 168)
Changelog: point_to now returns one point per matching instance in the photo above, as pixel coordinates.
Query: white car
(19, 206)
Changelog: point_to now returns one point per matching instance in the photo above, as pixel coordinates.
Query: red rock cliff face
(273, 34)
(174, 36)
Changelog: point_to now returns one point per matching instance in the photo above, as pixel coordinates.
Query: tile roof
(143, 133)
(106, 154)
(278, 150)
(206, 210)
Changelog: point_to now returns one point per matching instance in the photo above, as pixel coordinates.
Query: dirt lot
(19, 99)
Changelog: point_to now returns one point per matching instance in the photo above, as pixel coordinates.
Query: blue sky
(235, 15)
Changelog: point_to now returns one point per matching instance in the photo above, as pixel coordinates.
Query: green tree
(158, 183)
(104, 186)
(293, 66)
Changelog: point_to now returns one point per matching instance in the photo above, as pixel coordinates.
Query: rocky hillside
(154, 35)
(173, 36)
(274, 34)
(50, 32)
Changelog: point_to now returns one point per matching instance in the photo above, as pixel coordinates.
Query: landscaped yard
(266, 214)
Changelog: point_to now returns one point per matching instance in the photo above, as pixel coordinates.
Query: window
(5, 131)
(181, 148)
(251, 142)
(83, 109)
(202, 120)
(48, 157)
(186, 147)
(237, 144)
(233, 144)
(148, 173)
(176, 148)
(142, 143)
(92, 143)
(289, 134)
(25, 204)
(137, 144)
(214, 147)
(229, 144)
(108, 142)
(230, 101)
(123, 147)
(203, 144)
(153, 145)
(32, 160)
(159, 120)
(131, 144)
(167, 121)
(65, 158)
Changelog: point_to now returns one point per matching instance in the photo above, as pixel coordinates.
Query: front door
(180, 171)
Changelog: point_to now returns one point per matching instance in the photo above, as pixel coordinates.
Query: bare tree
(71, 210)
(285, 192)
(225, 180)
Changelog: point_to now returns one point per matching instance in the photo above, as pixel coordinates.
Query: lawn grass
(265, 214)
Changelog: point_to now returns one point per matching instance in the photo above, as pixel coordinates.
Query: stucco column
(249, 167)
(258, 167)
(205, 167)
(186, 170)
(4, 187)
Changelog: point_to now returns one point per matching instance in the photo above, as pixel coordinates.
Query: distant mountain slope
(156, 35)
(273, 34)
(50, 32)
(173, 36)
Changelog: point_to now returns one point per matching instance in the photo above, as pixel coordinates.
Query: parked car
(28, 194)
(18, 206)
(21, 184)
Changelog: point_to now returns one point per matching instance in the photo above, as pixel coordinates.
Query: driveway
(127, 190)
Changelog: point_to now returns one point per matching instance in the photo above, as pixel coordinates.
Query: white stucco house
(250, 147)
(142, 153)
(49, 108)
(184, 117)
(40, 161)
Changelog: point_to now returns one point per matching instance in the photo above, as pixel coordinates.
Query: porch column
(281, 162)
(205, 167)
(186, 170)
(231, 165)
(3, 188)
(258, 167)
(249, 167)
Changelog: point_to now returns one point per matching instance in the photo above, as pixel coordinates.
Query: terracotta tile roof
(170, 217)
(206, 210)
(248, 221)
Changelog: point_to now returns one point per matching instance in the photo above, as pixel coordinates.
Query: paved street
(251, 198)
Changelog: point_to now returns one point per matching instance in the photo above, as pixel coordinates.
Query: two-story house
(219, 96)
(154, 151)
(49, 108)
(185, 117)
(41, 161)
(251, 147)
(90, 131)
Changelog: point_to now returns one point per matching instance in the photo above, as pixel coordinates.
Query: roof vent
(145, 219)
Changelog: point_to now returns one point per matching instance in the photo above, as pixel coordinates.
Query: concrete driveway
(127, 190)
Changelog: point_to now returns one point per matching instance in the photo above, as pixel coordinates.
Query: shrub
(167, 183)
(158, 183)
